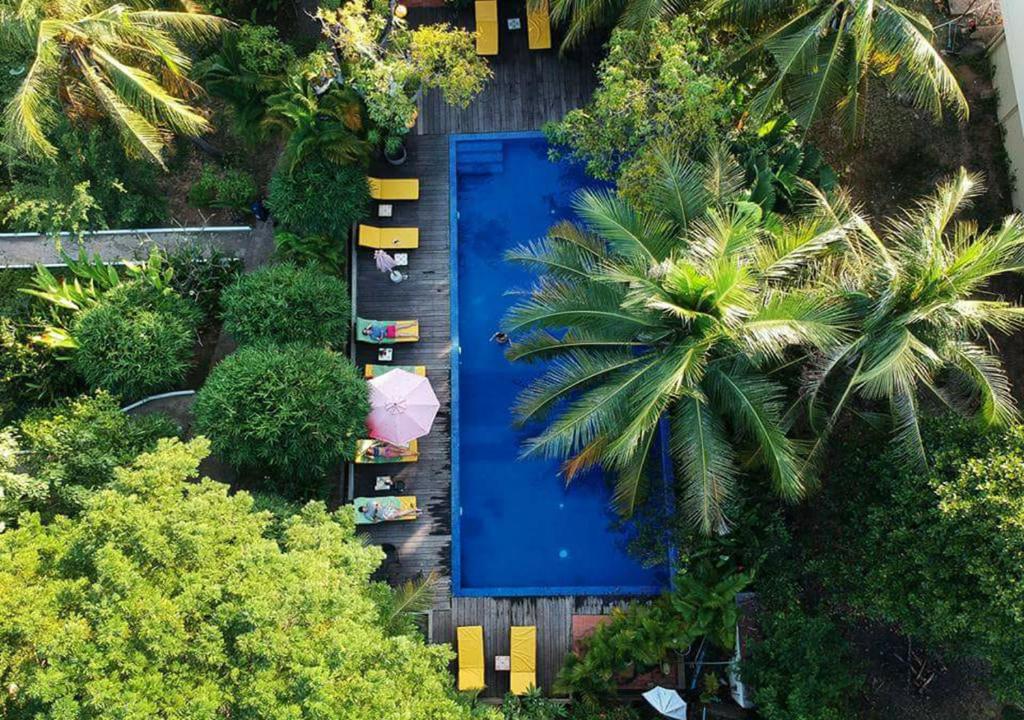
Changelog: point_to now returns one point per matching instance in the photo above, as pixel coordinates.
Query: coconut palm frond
(701, 448)
(631, 477)
(631, 234)
(907, 429)
(797, 319)
(32, 111)
(987, 377)
(413, 596)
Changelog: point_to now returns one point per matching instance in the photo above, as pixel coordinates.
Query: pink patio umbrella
(385, 263)
(402, 407)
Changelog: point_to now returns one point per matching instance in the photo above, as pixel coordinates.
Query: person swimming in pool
(501, 338)
(378, 512)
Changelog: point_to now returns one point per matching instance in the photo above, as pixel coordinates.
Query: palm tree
(93, 58)
(676, 314)
(330, 124)
(582, 17)
(826, 51)
(924, 320)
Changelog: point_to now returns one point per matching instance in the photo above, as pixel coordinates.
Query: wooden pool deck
(528, 89)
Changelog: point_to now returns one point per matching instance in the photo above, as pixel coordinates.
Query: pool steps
(481, 158)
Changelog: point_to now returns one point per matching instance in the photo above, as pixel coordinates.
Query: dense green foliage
(286, 303)
(319, 198)
(291, 412)
(801, 669)
(222, 188)
(656, 88)
(137, 340)
(69, 451)
(201, 274)
(169, 598)
(939, 552)
(641, 636)
(318, 250)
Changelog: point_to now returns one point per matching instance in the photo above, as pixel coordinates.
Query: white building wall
(1007, 55)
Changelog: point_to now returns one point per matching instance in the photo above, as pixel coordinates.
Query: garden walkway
(528, 89)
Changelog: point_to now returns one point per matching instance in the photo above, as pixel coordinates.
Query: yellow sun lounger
(524, 659)
(387, 332)
(486, 27)
(538, 24)
(378, 452)
(471, 657)
(371, 371)
(392, 508)
(394, 188)
(389, 238)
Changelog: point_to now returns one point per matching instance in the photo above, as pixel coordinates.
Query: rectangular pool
(516, 528)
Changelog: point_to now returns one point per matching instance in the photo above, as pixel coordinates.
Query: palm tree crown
(924, 321)
(826, 51)
(674, 314)
(96, 58)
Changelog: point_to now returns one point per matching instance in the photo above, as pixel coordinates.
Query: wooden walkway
(528, 90)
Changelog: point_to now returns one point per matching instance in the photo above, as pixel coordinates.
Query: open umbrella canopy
(667, 702)
(402, 407)
(385, 263)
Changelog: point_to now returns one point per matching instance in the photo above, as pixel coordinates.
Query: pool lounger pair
(389, 238)
(394, 188)
(386, 332)
(378, 452)
(523, 665)
(398, 502)
(371, 371)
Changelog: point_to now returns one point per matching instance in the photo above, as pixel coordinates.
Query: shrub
(285, 303)
(136, 341)
(262, 52)
(291, 412)
(939, 552)
(228, 188)
(200, 275)
(318, 250)
(800, 669)
(73, 448)
(319, 198)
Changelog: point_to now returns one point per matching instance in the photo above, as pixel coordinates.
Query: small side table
(502, 663)
(401, 259)
(385, 354)
(385, 210)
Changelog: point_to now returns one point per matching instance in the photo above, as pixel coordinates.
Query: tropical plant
(227, 620)
(318, 250)
(93, 58)
(226, 188)
(324, 125)
(285, 303)
(532, 706)
(658, 87)
(923, 322)
(319, 198)
(800, 668)
(678, 314)
(200, 274)
(826, 53)
(72, 449)
(289, 414)
(389, 65)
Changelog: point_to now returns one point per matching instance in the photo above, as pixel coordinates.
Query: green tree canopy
(168, 598)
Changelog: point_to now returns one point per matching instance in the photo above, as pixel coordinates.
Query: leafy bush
(329, 253)
(319, 198)
(285, 303)
(72, 449)
(661, 84)
(167, 598)
(136, 341)
(801, 669)
(201, 274)
(262, 51)
(940, 552)
(281, 510)
(222, 188)
(290, 412)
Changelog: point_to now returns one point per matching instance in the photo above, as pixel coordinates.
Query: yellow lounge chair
(471, 657)
(524, 659)
(378, 452)
(394, 188)
(371, 371)
(486, 27)
(387, 332)
(538, 24)
(399, 505)
(389, 238)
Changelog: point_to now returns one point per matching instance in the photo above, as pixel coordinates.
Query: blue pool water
(517, 530)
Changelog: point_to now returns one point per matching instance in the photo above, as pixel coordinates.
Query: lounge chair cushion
(524, 659)
(394, 188)
(538, 25)
(387, 332)
(371, 371)
(471, 657)
(398, 502)
(486, 27)
(389, 453)
(389, 238)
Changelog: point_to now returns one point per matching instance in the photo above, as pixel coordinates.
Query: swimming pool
(516, 528)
